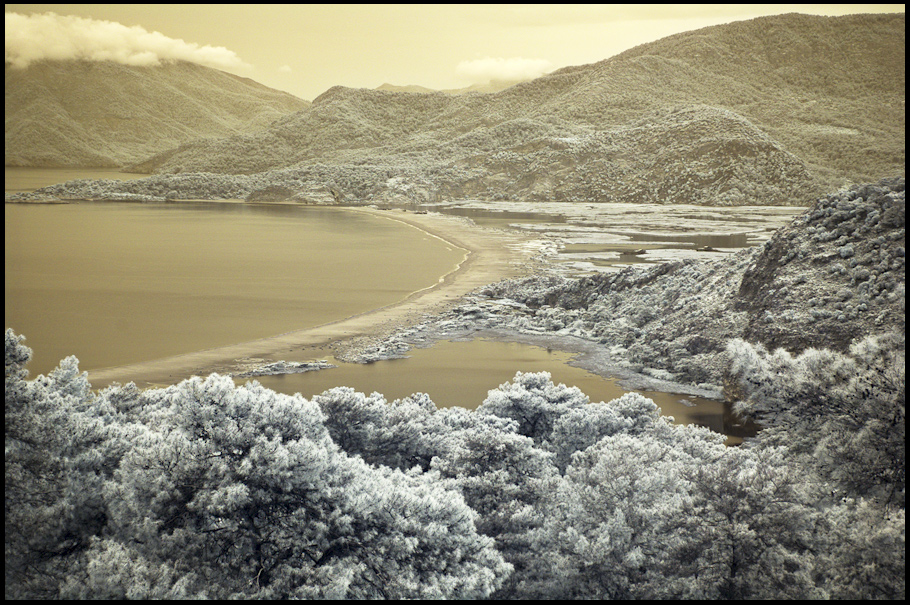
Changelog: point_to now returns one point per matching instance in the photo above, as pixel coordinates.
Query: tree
(50, 513)
(582, 427)
(209, 490)
(248, 487)
(865, 553)
(534, 402)
(510, 484)
(403, 434)
(624, 527)
(841, 414)
(756, 528)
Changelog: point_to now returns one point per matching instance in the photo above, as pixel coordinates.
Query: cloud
(515, 68)
(37, 37)
(286, 69)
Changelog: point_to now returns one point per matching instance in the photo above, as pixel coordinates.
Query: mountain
(745, 113)
(764, 111)
(105, 114)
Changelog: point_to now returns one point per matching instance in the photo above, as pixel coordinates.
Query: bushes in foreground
(205, 489)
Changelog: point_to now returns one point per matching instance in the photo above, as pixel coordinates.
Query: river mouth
(595, 238)
(458, 373)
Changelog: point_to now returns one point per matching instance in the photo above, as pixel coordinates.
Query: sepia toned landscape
(632, 328)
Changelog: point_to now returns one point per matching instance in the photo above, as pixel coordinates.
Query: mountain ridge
(490, 86)
(757, 112)
(101, 114)
(841, 127)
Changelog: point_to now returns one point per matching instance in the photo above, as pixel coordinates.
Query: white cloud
(515, 68)
(285, 69)
(50, 36)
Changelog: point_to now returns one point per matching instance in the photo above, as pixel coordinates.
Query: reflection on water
(461, 374)
(118, 283)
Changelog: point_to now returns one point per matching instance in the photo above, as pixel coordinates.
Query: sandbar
(490, 255)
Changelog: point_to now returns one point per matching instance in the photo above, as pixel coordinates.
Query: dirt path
(490, 255)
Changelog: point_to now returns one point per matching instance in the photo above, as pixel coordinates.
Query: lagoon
(119, 283)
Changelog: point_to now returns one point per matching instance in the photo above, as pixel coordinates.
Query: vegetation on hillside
(105, 114)
(204, 489)
(744, 113)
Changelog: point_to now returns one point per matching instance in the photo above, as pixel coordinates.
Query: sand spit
(490, 255)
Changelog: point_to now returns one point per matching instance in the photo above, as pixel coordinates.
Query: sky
(307, 49)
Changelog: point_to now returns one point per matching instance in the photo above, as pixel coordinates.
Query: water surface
(461, 373)
(594, 238)
(119, 283)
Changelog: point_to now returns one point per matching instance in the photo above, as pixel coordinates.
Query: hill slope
(104, 114)
(756, 110)
(835, 275)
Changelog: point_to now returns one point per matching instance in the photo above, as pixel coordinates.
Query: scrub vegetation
(206, 489)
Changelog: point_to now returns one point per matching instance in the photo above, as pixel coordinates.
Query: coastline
(490, 255)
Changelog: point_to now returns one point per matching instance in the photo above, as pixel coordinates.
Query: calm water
(117, 283)
(461, 374)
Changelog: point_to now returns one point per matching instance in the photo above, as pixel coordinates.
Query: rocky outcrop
(835, 274)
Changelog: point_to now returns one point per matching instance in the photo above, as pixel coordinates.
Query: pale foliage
(208, 490)
(842, 414)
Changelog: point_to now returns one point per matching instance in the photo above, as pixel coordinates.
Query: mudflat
(490, 255)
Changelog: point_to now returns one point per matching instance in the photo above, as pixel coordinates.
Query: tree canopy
(205, 489)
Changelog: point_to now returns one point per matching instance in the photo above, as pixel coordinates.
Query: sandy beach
(490, 255)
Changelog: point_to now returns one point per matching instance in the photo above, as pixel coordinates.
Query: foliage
(49, 517)
(209, 490)
(842, 414)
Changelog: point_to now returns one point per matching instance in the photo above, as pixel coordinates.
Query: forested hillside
(105, 114)
(743, 113)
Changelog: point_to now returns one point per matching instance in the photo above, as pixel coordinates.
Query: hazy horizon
(307, 49)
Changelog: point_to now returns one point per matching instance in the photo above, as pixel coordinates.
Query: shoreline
(490, 255)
